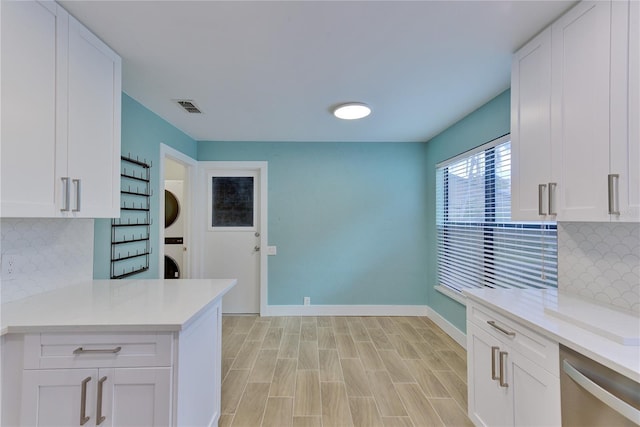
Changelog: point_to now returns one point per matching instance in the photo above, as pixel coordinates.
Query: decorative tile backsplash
(47, 254)
(601, 261)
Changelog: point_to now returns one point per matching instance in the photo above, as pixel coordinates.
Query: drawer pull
(83, 401)
(99, 417)
(81, 350)
(503, 356)
(493, 362)
(501, 329)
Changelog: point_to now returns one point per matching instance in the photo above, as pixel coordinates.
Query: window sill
(456, 296)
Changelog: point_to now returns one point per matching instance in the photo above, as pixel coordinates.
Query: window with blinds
(478, 244)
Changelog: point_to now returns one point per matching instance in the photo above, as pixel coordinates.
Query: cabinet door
(28, 109)
(93, 140)
(531, 129)
(135, 396)
(625, 110)
(54, 397)
(536, 392)
(580, 110)
(489, 403)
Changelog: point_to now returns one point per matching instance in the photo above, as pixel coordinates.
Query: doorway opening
(177, 175)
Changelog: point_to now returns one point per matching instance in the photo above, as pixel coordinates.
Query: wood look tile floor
(341, 371)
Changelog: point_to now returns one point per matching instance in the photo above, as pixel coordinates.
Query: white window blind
(478, 244)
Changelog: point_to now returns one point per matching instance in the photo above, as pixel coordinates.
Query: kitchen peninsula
(144, 352)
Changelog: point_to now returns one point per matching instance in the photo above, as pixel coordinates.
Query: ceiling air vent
(189, 106)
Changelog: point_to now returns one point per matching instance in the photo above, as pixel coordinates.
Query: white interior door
(232, 241)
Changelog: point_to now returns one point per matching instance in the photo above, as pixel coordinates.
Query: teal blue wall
(486, 123)
(142, 133)
(354, 222)
(347, 218)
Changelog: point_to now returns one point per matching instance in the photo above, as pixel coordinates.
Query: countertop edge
(160, 323)
(206, 306)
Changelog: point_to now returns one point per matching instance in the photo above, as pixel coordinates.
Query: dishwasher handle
(618, 405)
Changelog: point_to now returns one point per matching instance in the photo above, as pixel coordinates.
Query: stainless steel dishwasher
(594, 395)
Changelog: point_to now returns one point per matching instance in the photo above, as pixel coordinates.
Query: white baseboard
(456, 334)
(369, 310)
(345, 310)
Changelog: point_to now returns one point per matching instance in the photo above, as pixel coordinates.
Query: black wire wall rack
(130, 234)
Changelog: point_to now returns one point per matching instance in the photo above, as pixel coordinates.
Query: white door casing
(235, 252)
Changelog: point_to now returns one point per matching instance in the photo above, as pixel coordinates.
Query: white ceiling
(272, 70)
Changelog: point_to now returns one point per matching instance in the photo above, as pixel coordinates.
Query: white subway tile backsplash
(601, 261)
(48, 254)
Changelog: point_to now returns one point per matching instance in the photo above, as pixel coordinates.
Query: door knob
(257, 234)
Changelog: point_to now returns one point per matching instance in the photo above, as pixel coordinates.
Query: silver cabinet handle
(613, 179)
(65, 191)
(81, 350)
(541, 188)
(99, 417)
(76, 182)
(493, 362)
(83, 402)
(503, 356)
(501, 329)
(552, 197)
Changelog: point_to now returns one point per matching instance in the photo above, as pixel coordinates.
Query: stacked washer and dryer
(173, 229)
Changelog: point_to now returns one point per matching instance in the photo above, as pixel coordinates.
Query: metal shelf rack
(130, 234)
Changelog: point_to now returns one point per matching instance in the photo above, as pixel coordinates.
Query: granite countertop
(114, 305)
(602, 333)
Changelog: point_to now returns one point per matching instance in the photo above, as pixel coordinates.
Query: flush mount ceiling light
(352, 111)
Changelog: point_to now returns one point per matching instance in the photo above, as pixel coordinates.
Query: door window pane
(232, 201)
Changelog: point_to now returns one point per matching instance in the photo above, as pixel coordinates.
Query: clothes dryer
(174, 229)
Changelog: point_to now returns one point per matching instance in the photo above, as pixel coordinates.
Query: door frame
(262, 168)
(191, 173)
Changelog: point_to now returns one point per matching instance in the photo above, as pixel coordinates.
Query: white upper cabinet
(575, 118)
(28, 108)
(93, 139)
(581, 46)
(61, 106)
(625, 136)
(531, 128)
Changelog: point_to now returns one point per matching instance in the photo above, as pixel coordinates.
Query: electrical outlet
(8, 266)
(307, 300)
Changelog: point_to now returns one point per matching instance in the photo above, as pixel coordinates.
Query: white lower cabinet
(119, 378)
(105, 397)
(506, 386)
(54, 397)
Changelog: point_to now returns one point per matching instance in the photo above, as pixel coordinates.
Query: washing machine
(173, 229)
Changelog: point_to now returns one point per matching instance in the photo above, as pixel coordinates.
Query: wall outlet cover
(307, 300)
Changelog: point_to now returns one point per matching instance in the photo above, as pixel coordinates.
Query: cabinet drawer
(532, 345)
(74, 350)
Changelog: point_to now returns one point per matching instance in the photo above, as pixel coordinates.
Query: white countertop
(599, 332)
(114, 305)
